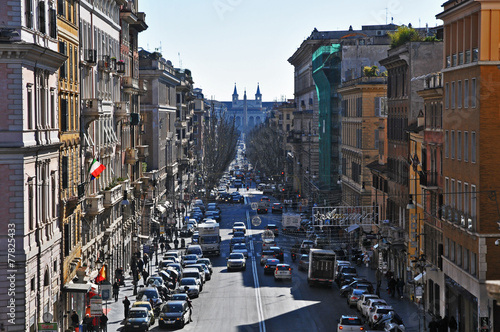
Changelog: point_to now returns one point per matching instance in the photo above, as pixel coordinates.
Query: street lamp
(410, 205)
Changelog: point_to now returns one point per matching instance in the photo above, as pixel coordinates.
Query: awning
(77, 288)
(419, 277)
(352, 228)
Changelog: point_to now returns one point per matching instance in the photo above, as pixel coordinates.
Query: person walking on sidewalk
(378, 275)
(392, 286)
(452, 324)
(433, 325)
(75, 320)
(126, 306)
(116, 290)
(103, 322)
(400, 285)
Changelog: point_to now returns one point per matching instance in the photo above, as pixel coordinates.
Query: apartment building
(29, 159)
(470, 161)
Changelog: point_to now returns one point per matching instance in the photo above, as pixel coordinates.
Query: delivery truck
(209, 238)
(321, 267)
(290, 222)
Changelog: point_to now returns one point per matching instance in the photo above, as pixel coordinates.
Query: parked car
(236, 261)
(147, 305)
(376, 312)
(283, 271)
(304, 262)
(357, 283)
(350, 323)
(354, 296)
(138, 319)
(363, 300)
(346, 275)
(207, 262)
(370, 304)
(148, 294)
(175, 313)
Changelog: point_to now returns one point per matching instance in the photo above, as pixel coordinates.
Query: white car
(283, 271)
(190, 286)
(364, 300)
(239, 226)
(350, 323)
(236, 261)
(376, 312)
(368, 306)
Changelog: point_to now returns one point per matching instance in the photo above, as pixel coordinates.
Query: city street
(252, 301)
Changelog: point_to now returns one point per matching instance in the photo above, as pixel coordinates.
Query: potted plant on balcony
(120, 66)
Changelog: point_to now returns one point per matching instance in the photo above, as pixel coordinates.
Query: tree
(219, 147)
(403, 35)
(265, 150)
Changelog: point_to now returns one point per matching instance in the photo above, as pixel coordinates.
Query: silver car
(236, 261)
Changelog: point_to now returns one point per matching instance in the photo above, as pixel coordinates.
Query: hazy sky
(224, 42)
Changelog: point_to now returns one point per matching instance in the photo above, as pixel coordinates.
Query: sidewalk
(406, 309)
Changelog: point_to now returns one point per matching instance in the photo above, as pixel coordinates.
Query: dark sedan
(175, 313)
(270, 265)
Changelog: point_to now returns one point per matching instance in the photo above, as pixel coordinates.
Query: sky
(249, 42)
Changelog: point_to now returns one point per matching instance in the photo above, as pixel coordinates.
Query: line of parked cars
(166, 296)
(359, 293)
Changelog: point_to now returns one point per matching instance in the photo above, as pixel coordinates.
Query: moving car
(241, 248)
(148, 293)
(283, 271)
(207, 262)
(357, 283)
(306, 246)
(138, 319)
(239, 226)
(175, 313)
(273, 228)
(278, 253)
(189, 259)
(270, 265)
(236, 261)
(277, 208)
(350, 323)
(147, 305)
(304, 262)
(266, 254)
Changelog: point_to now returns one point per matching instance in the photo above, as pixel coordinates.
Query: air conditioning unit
(90, 55)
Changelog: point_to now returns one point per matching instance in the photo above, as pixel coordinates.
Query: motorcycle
(389, 320)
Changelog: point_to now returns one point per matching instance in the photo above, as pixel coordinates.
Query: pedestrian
(75, 320)
(103, 322)
(140, 265)
(176, 243)
(145, 258)
(433, 325)
(392, 286)
(190, 305)
(116, 290)
(366, 259)
(162, 247)
(443, 324)
(88, 323)
(145, 275)
(126, 306)
(400, 285)
(452, 324)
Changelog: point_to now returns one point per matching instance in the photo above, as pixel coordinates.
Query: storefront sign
(96, 306)
(47, 327)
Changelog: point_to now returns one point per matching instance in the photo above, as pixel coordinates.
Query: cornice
(31, 54)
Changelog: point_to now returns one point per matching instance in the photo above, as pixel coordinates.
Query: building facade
(29, 159)
(470, 126)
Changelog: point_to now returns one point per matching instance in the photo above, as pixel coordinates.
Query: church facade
(248, 113)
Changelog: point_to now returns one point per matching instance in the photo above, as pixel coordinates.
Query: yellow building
(69, 130)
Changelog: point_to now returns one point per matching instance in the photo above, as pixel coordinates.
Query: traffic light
(282, 173)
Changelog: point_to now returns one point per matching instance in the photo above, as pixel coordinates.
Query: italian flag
(96, 169)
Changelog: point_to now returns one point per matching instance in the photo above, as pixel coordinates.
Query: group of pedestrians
(439, 324)
(90, 324)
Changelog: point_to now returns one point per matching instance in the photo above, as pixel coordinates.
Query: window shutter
(41, 17)
(64, 114)
(53, 23)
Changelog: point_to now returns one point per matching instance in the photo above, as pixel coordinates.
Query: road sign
(96, 306)
(419, 292)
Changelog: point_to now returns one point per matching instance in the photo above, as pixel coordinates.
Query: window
(61, 7)
(466, 94)
(459, 94)
(452, 95)
(70, 58)
(466, 146)
(376, 139)
(452, 251)
(466, 198)
(288, 116)
(473, 263)
(446, 144)
(459, 195)
(41, 16)
(446, 190)
(465, 260)
(64, 172)
(446, 247)
(452, 145)
(452, 193)
(473, 93)
(32, 284)
(62, 69)
(29, 13)
(447, 95)
(30, 105)
(459, 255)
(459, 145)
(64, 114)
(473, 147)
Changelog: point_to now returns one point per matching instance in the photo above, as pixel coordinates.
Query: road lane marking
(258, 299)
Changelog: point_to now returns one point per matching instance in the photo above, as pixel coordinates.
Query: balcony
(172, 169)
(90, 56)
(143, 87)
(130, 84)
(120, 67)
(180, 124)
(105, 63)
(429, 180)
(143, 152)
(122, 110)
(138, 188)
(112, 196)
(95, 205)
(92, 108)
(131, 156)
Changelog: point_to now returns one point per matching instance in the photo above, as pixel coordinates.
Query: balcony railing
(143, 151)
(122, 109)
(130, 84)
(429, 180)
(95, 204)
(112, 196)
(131, 156)
(92, 107)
